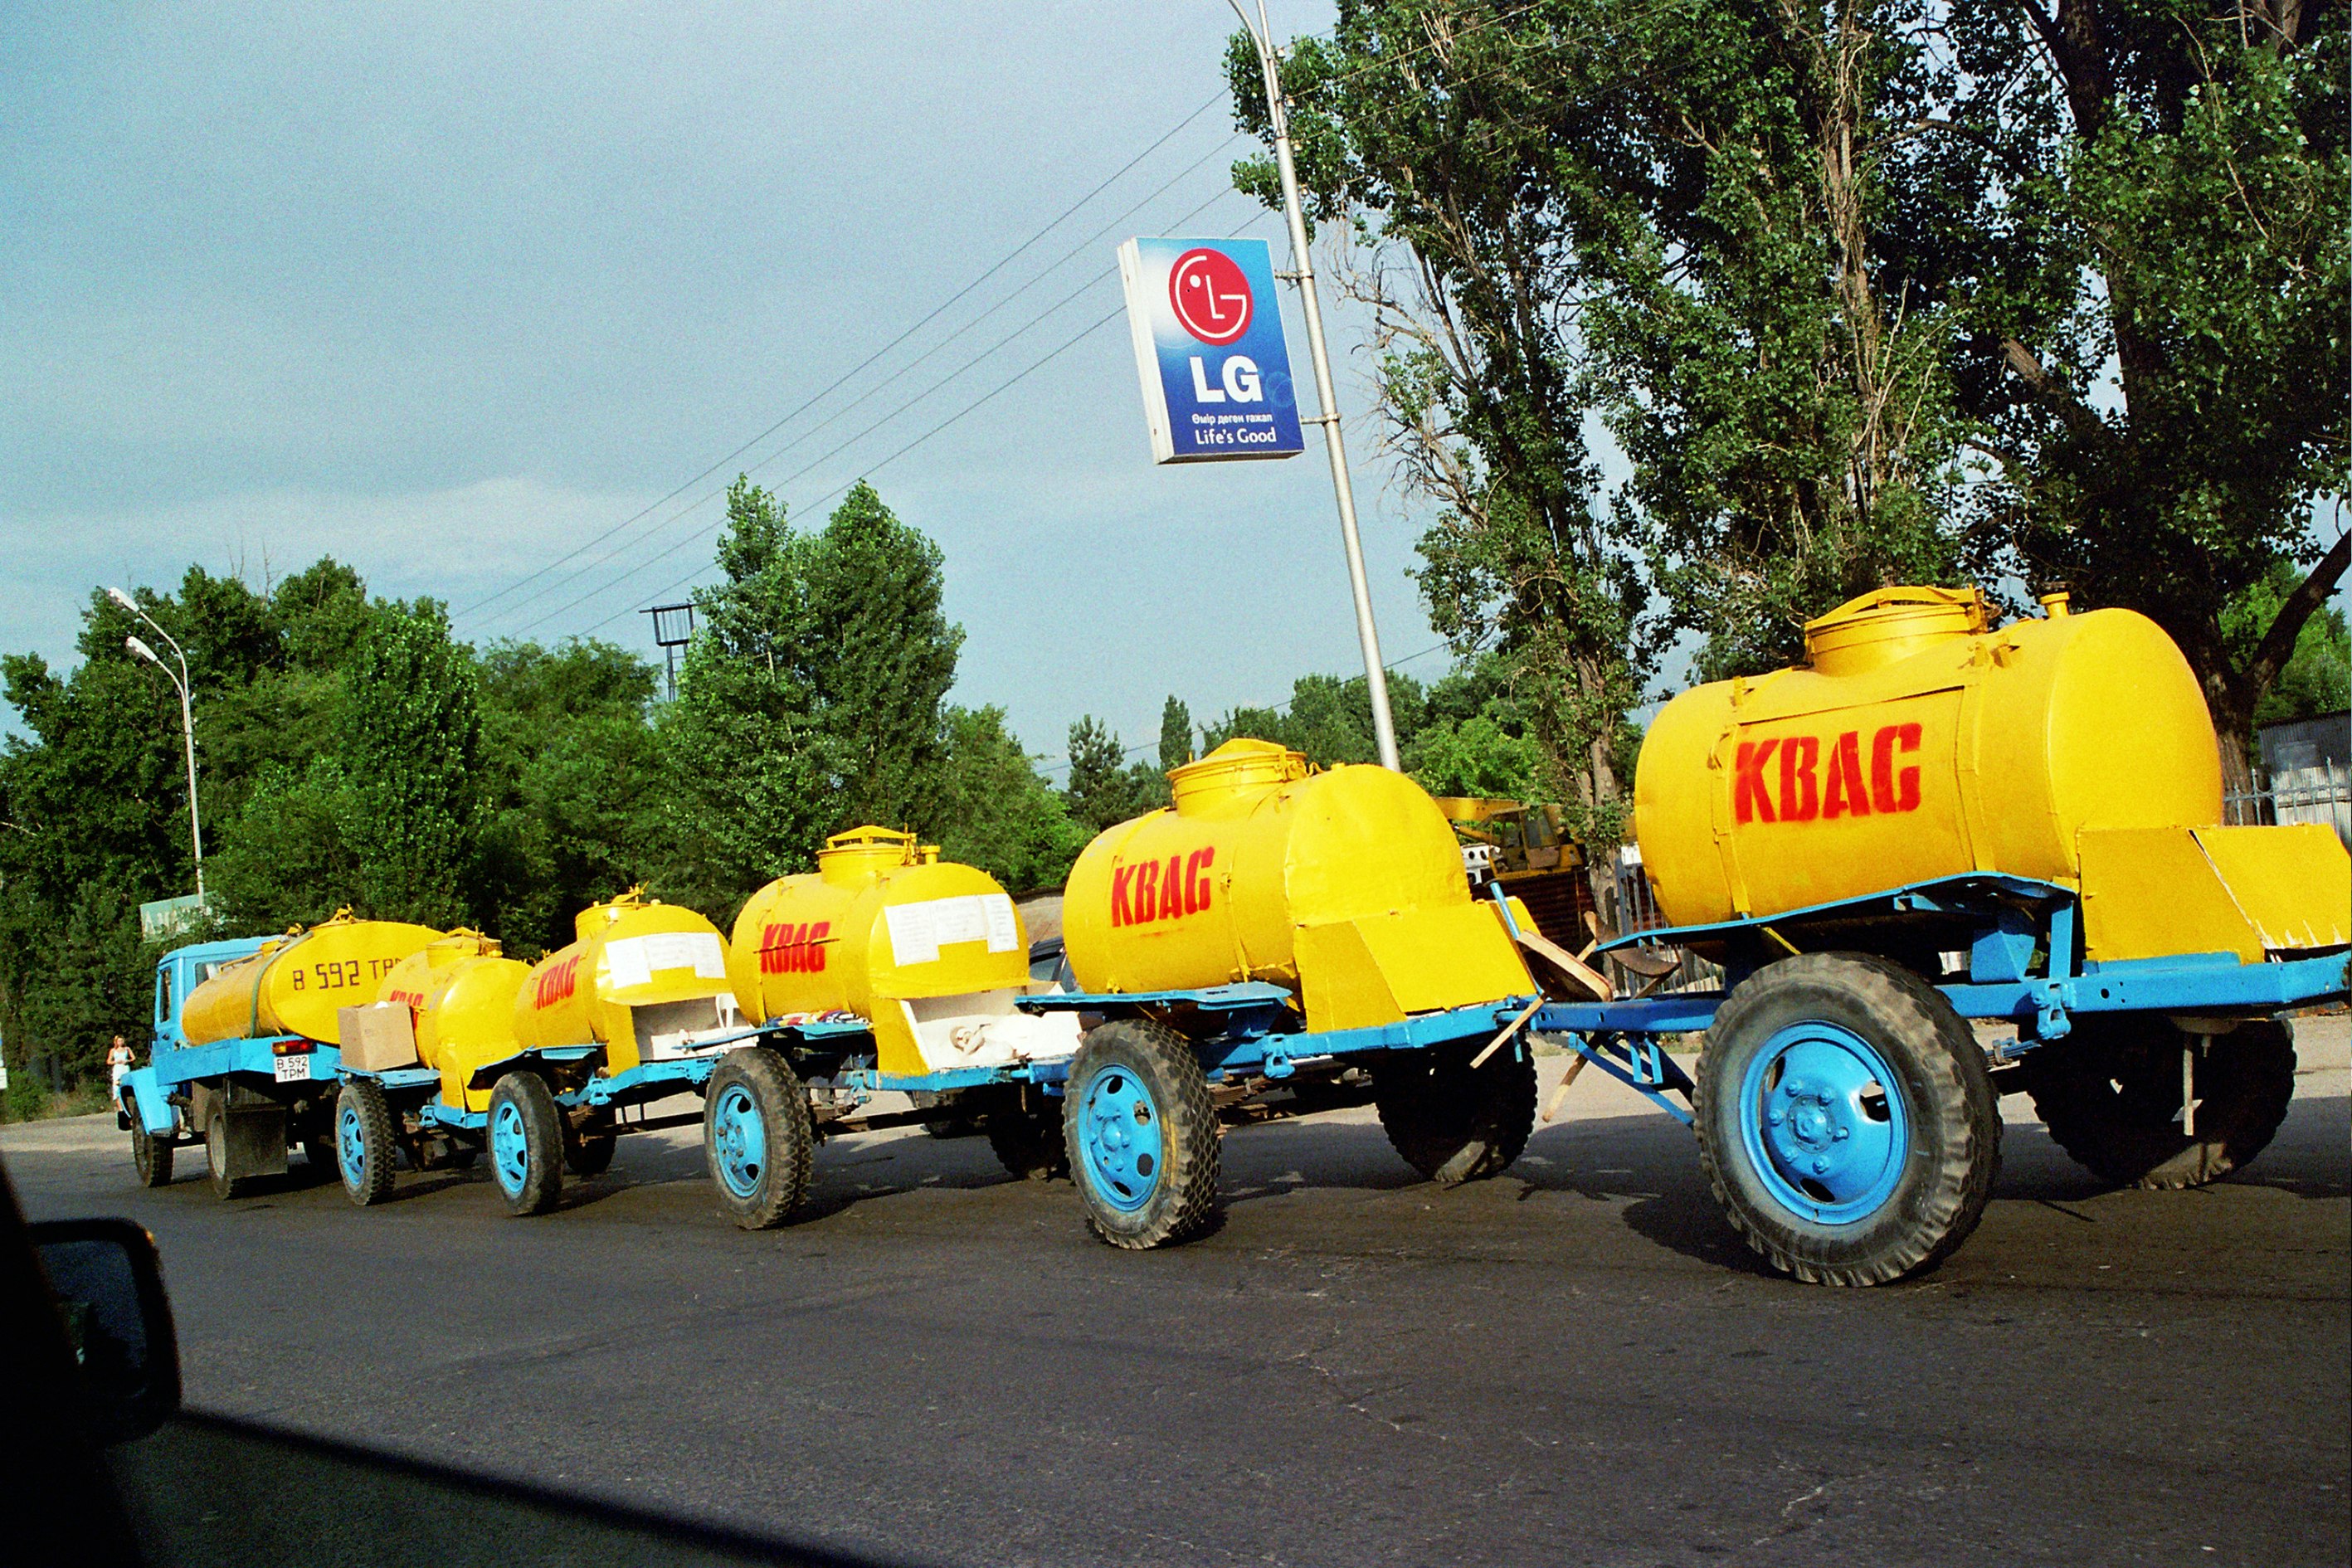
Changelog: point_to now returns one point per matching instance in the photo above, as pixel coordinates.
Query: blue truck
(248, 1101)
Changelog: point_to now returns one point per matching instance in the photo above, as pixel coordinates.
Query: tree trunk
(2231, 701)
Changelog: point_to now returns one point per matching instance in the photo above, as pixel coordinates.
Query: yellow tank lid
(1232, 768)
(596, 916)
(854, 859)
(1889, 624)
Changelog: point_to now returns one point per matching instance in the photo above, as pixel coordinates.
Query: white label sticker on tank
(623, 965)
(919, 931)
(633, 959)
(696, 950)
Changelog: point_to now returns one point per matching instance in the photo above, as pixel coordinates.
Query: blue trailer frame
(2014, 950)
(2021, 967)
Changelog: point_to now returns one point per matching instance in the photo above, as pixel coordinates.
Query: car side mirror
(109, 1286)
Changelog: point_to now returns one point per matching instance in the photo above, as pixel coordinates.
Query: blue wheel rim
(509, 1147)
(351, 1144)
(1120, 1136)
(1822, 1119)
(739, 1135)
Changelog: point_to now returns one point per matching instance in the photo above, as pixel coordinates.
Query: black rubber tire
(542, 1132)
(1450, 1123)
(1027, 1143)
(2110, 1094)
(1184, 1203)
(225, 1186)
(379, 1142)
(151, 1155)
(780, 1183)
(589, 1155)
(1948, 1101)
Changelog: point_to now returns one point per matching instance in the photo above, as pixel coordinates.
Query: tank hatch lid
(1887, 623)
(1237, 767)
(857, 856)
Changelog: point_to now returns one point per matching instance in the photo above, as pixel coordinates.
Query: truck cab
(179, 971)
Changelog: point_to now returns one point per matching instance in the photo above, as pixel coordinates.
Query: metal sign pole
(1375, 675)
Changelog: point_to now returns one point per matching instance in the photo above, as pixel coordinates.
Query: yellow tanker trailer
(537, 1064)
(887, 970)
(1272, 927)
(1936, 820)
(248, 1040)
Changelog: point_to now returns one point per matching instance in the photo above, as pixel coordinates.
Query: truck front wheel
(151, 1154)
(1846, 1120)
(2111, 1093)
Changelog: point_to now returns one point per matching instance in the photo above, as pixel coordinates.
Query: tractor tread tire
(1028, 1145)
(1185, 1201)
(2111, 1099)
(379, 1136)
(783, 1101)
(1953, 1109)
(542, 1180)
(1450, 1123)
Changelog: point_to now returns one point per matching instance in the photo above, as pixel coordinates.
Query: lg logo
(1210, 297)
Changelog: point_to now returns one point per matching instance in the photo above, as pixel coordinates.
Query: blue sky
(447, 291)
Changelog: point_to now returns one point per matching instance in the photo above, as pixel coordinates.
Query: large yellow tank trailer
(539, 1064)
(248, 1043)
(1933, 820)
(887, 969)
(1277, 924)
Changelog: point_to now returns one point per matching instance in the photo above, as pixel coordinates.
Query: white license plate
(293, 1069)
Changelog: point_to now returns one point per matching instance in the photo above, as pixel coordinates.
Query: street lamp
(187, 718)
(1376, 677)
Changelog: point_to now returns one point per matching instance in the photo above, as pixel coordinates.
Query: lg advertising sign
(1209, 346)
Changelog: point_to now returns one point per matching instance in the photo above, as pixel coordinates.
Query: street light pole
(1376, 678)
(187, 715)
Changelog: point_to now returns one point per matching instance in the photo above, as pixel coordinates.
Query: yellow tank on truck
(640, 977)
(298, 984)
(1918, 741)
(929, 953)
(1346, 886)
(459, 993)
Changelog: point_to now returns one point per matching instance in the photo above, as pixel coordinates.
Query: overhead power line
(647, 535)
(933, 315)
(701, 533)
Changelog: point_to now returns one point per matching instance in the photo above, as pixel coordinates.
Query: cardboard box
(378, 1038)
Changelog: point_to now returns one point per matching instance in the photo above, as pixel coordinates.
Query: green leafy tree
(1442, 156)
(1477, 757)
(745, 793)
(1175, 734)
(879, 657)
(570, 766)
(2316, 678)
(2149, 369)
(995, 811)
(288, 857)
(410, 743)
(1104, 788)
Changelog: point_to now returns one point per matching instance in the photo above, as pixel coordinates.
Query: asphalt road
(1574, 1363)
